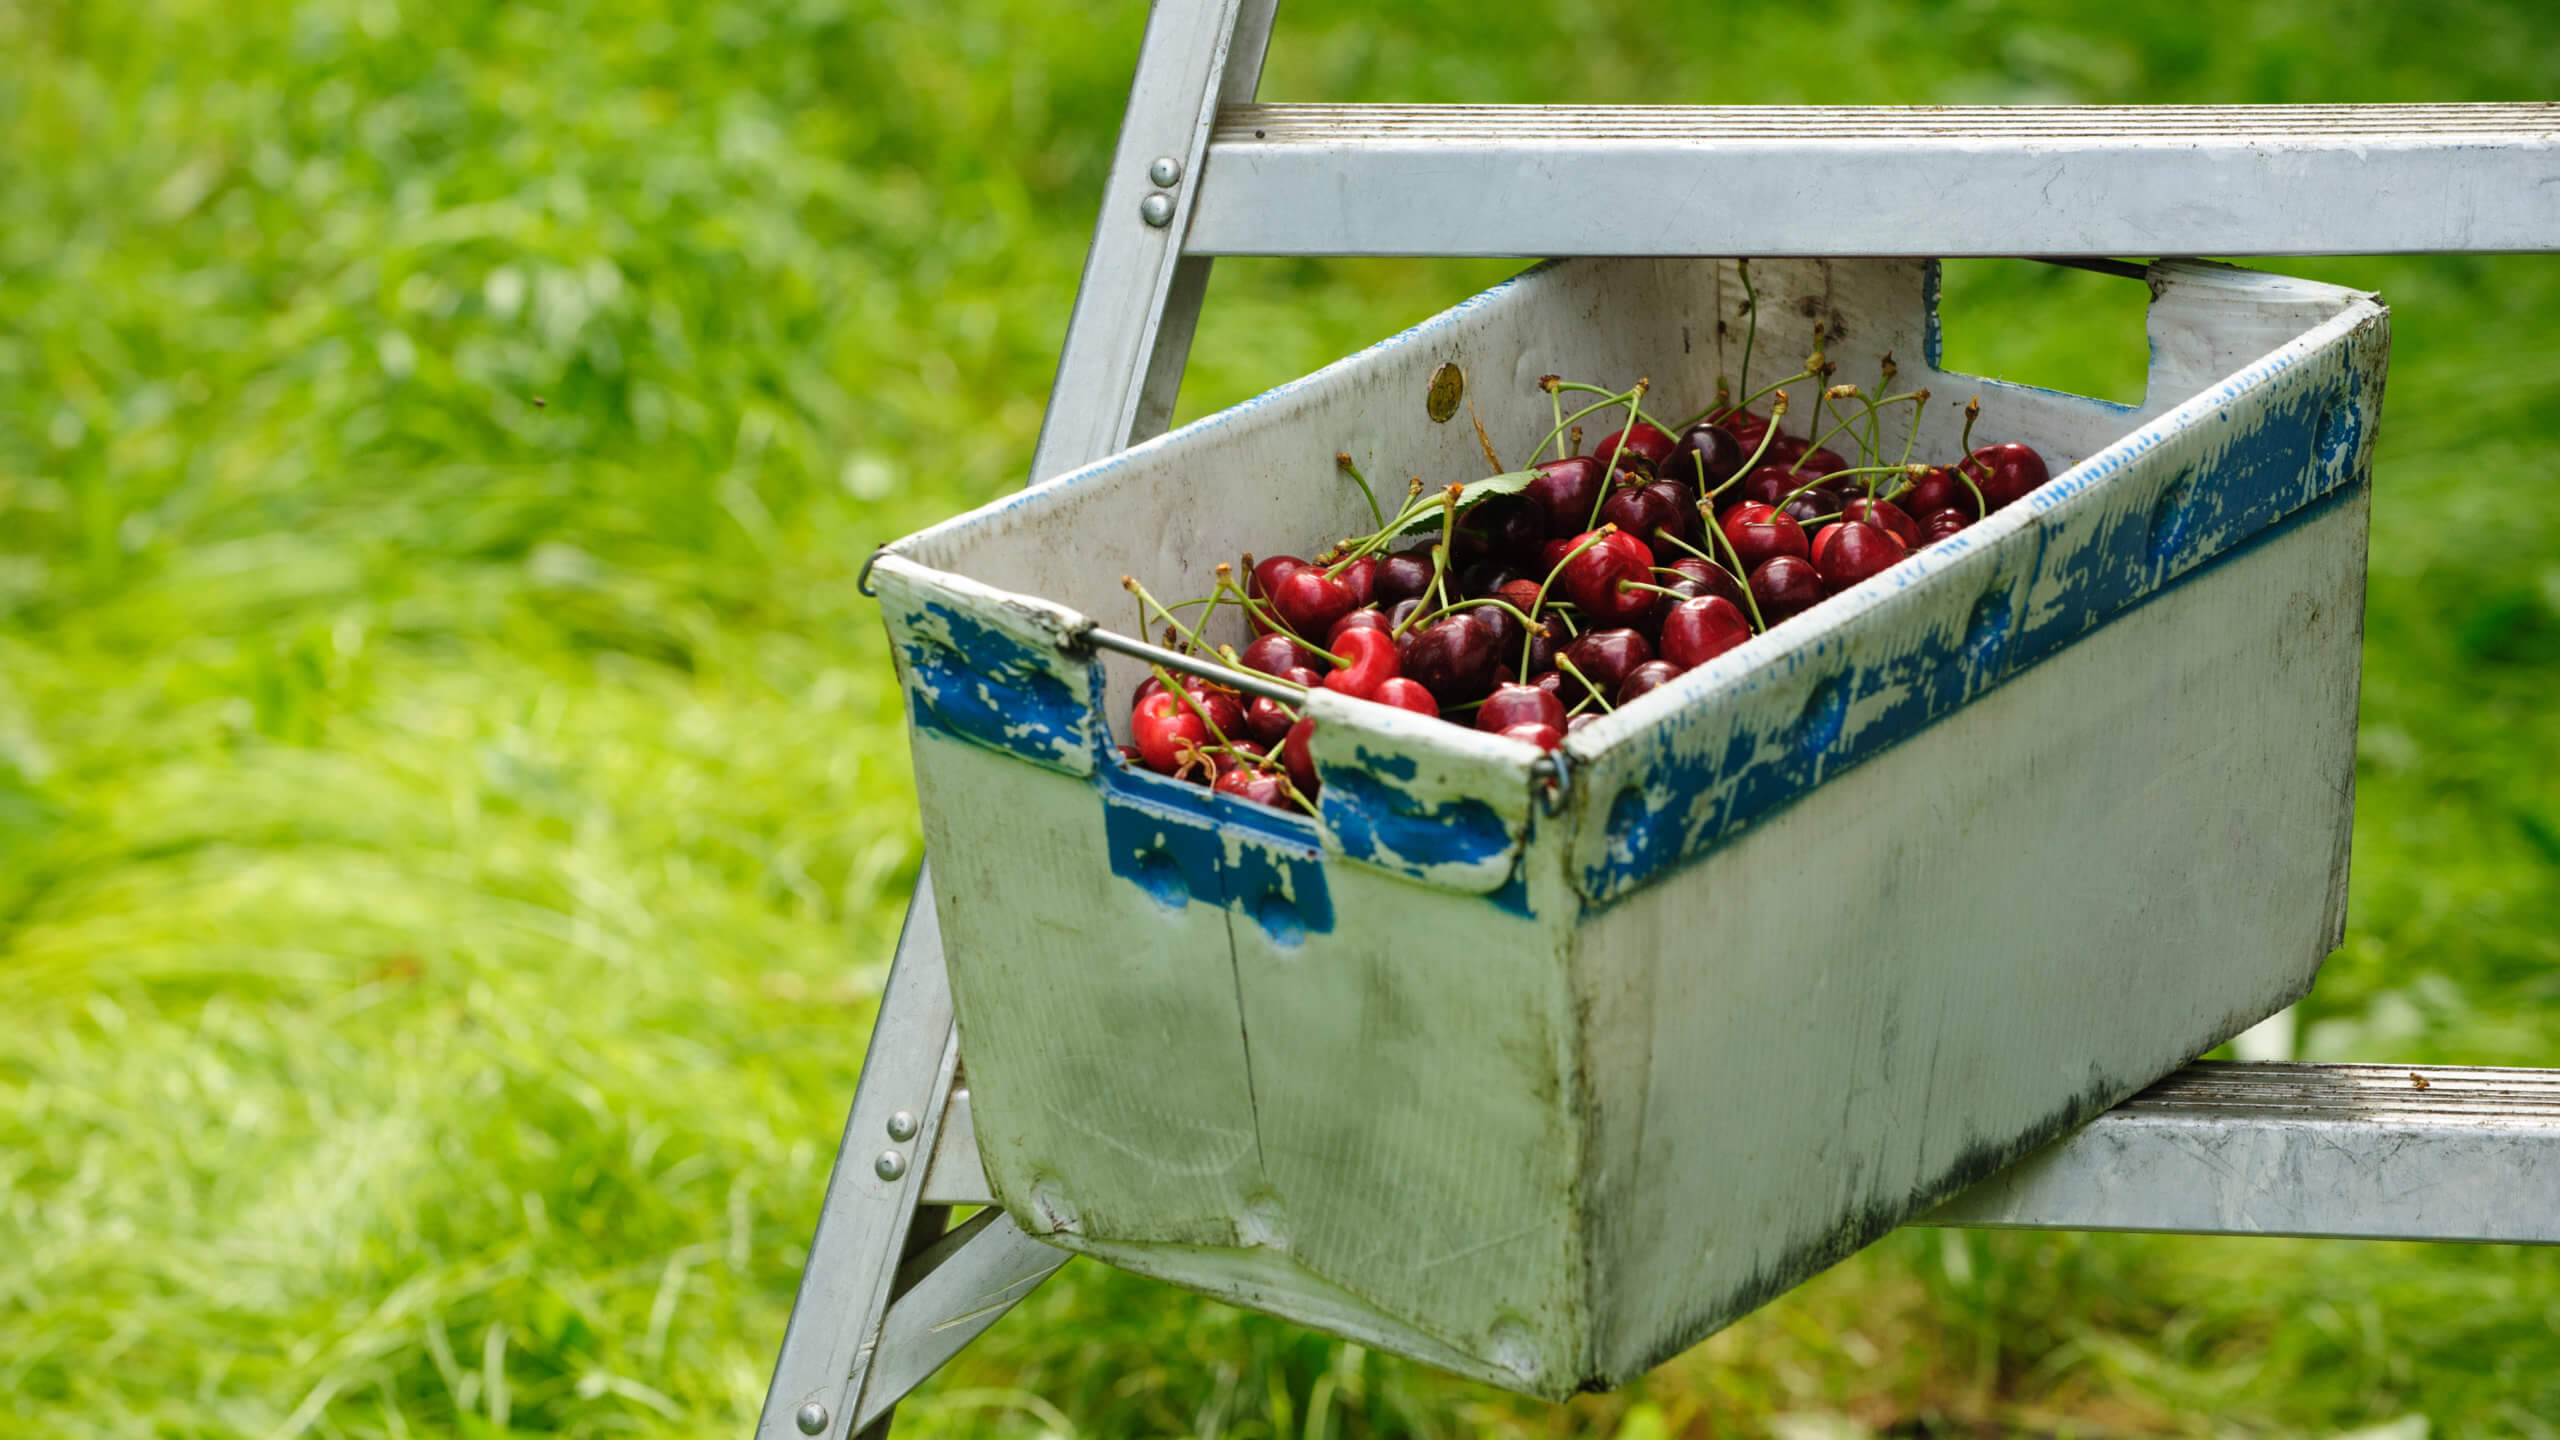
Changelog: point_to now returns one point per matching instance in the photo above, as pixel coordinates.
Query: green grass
(449, 843)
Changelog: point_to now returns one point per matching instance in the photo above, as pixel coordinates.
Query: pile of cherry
(1530, 603)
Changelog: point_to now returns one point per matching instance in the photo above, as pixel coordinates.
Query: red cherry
(1310, 601)
(1707, 456)
(1360, 577)
(1453, 658)
(1566, 490)
(1302, 765)
(1587, 717)
(1273, 653)
(1643, 442)
(1545, 737)
(1267, 720)
(1697, 631)
(1225, 708)
(1593, 578)
(1814, 464)
(1372, 654)
(1251, 782)
(1646, 678)
(1406, 694)
(1745, 427)
(1822, 539)
(1786, 586)
(1605, 658)
(1885, 513)
(2005, 472)
(1939, 489)
(1709, 578)
(1760, 534)
(1511, 705)
(1859, 550)
(1401, 577)
(1168, 734)
(1356, 620)
(1551, 554)
(1937, 525)
(1640, 510)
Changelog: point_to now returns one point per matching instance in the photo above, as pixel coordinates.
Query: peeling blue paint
(1383, 825)
(989, 688)
(1183, 844)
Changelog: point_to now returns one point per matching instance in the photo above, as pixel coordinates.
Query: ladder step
(1531, 180)
(2385, 1152)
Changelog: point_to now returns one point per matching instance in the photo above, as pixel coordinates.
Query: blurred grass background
(453, 815)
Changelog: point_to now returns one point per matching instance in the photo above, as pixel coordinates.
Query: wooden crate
(1543, 1084)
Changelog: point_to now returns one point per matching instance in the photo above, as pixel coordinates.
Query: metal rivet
(1156, 209)
(812, 1418)
(890, 1165)
(902, 1126)
(1166, 172)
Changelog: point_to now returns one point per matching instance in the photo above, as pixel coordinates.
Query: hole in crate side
(1644, 837)
(1278, 916)
(2172, 516)
(1986, 630)
(2047, 326)
(2337, 436)
(1825, 712)
(1160, 875)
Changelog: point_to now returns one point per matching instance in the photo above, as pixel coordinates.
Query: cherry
(1360, 577)
(1812, 507)
(1453, 658)
(1813, 464)
(1485, 577)
(1643, 442)
(1746, 428)
(1273, 653)
(1697, 631)
(1373, 660)
(1937, 525)
(1786, 586)
(1707, 456)
(1356, 620)
(1169, 735)
(1576, 722)
(1400, 612)
(1267, 720)
(1264, 582)
(1821, 545)
(1857, 550)
(1224, 707)
(1553, 553)
(1309, 601)
(1684, 524)
(1545, 737)
(1605, 658)
(1502, 527)
(1566, 490)
(1500, 626)
(1760, 534)
(1551, 639)
(1939, 489)
(1641, 510)
(1770, 484)
(2005, 472)
(1709, 578)
(1302, 765)
(1251, 782)
(1401, 577)
(1406, 694)
(1646, 678)
(1519, 595)
(1592, 578)
(1887, 514)
(1511, 705)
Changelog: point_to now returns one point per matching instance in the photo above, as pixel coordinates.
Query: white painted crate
(1543, 1089)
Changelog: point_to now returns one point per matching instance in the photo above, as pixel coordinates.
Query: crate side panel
(1094, 987)
(1423, 1055)
(2119, 859)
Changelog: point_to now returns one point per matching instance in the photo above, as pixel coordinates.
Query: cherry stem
(1615, 395)
(1496, 601)
(1145, 601)
(1343, 460)
(1593, 691)
(1745, 402)
(1872, 407)
(1621, 398)
(1635, 401)
(1972, 412)
(1174, 687)
(1919, 403)
(1594, 538)
(1749, 600)
(1656, 589)
(1555, 401)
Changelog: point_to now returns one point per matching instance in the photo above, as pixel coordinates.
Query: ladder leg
(874, 1196)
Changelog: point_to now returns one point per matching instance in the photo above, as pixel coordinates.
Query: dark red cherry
(1503, 527)
(1814, 464)
(1406, 694)
(1484, 578)
(1254, 783)
(1501, 628)
(1565, 491)
(1551, 554)
(1605, 658)
(1551, 638)
(1640, 510)
(1273, 653)
(1360, 577)
(2006, 473)
(1697, 631)
(1267, 721)
(1511, 705)
(1786, 586)
(1937, 525)
(1453, 658)
(1711, 579)
(1707, 456)
(1939, 489)
(1646, 678)
(1814, 507)
(1309, 601)
(1745, 428)
(1224, 707)
(1643, 442)
(1592, 579)
(1760, 534)
(1401, 577)
(1858, 550)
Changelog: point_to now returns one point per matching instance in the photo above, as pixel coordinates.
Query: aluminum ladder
(890, 1292)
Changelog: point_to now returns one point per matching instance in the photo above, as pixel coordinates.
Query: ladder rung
(1922, 180)
(2386, 1152)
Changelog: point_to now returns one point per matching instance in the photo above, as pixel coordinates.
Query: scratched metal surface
(1536, 1097)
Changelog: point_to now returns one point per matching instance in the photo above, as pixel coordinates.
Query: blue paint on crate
(989, 688)
(1181, 843)
(1379, 823)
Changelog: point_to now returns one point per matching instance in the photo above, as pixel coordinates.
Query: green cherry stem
(1588, 688)
(1603, 533)
(1342, 461)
